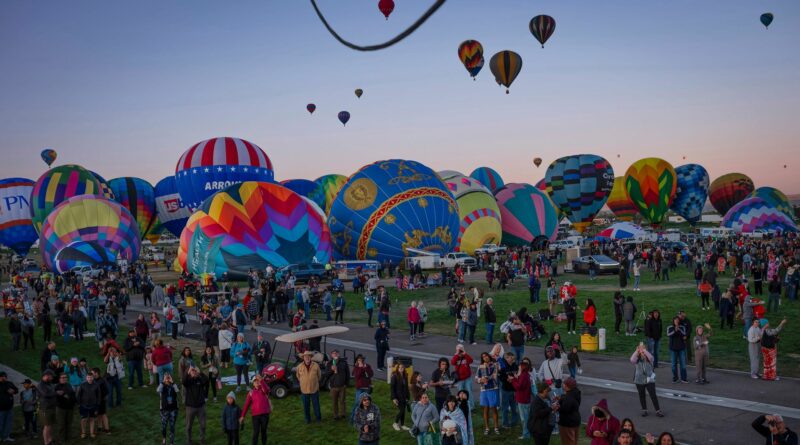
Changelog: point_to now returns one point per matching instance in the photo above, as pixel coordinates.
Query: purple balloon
(344, 116)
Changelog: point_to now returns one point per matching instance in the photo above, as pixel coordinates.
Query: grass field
(137, 420)
(728, 349)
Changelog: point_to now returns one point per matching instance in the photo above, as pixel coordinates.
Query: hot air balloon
(488, 177)
(386, 7)
(505, 66)
(56, 185)
(470, 53)
(344, 116)
(171, 212)
(311, 108)
(651, 184)
(217, 163)
(391, 206)
(477, 209)
(727, 190)
(250, 225)
(105, 190)
(328, 187)
(754, 213)
(775, 198)
(359, 92)
(766, 19)
(537, 162)
(529, 218)
(579, 186)
(88, 230)
(304, 187)
(619, 203)
(542, 185)
(691, 192)
(154, 234)
(542, 27)
(49, 156)
(16, 228)
(138, 196)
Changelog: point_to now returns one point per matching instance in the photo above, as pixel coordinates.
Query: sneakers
(396, 427)
(645, 413)
(130, 387)
(659, 413)
(405, 428)
(684, 381)
(486, 432)
(754, 376)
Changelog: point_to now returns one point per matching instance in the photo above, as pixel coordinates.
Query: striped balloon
(579, 185)
(88, 230)
(776, 198)
(328, 187)
(138, 196)
(619, 203)
(505, 66)
(691, 192)
(56, 185)
(651, 185)
(756, 213)
(488, 177)
(727, 190)
(214, 164)
(477, 208)
(542, 27)
(251, 225)
(528, 215)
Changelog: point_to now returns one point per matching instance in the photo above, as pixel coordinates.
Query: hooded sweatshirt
(602, 420)
(371, 417)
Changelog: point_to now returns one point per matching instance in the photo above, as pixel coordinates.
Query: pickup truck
(491, 249)
(454, 259)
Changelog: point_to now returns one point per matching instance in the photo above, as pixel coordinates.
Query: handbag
(414, 431)
(219, 383)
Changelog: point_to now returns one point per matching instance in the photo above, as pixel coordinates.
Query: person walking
(339, 379)
(382, 344)
(645, 378)
(367, 421)
(424, 418)
(400, 396)
(308, 375)
(569, 414)
(258, 403)
(194, 385)
(168, 408)
(677, 349)
(701, 358)
(754, 348)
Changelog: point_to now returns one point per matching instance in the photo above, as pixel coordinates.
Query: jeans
(508, 408)
(67, 332)
(114, 385)
(653, 346)
(92, 311)
(524, 412)
(678, 358)
(242, 371)
(470, 333)
(164, 369)
(462, 328)
(519, 352)
(636, 280)
(382, 349)
(489, 333)
(422, 436)
(773, 302)
(748, 322)
(313, 399)
(134, 366)
(6, 417)
(466, 385)
(369, 317)
(573, 371)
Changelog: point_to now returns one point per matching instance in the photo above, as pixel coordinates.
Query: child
(148, 364)
(230, 419)
(450, 433)
(574, 362)
(29, 399)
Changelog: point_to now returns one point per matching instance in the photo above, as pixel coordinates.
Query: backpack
(170, 314)
(505, 327)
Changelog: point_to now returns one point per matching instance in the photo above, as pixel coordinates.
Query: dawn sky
(123, 88)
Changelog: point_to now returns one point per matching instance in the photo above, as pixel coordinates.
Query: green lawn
(728, 348)
(137, 420)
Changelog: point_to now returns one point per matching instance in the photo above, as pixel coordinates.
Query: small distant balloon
(537, 162)
(470, 53)
(617, 155)
(542, 27)
(386, 7)
(49, 156)
(684, 157)
(359, 92)
(766, 19)
(311, 108)
(784, 165)
(344, 116)
(505, 66)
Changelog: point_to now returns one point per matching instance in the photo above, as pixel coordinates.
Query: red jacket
(162, 355)
(461, 366)
(258, 400)
(590, 315)
(522, 387)
(363, 376)
(413, 315)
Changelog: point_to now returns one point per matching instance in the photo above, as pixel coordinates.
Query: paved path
(720, 412)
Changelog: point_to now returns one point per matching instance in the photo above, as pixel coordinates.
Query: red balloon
(386, 7)
(311, 108)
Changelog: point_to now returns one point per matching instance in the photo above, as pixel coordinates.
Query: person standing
(677, 349)
(629, 314)
(424, 416)
(748, 313)
(441, 381)
(369, 305)
(367, 421)
(231, 418)
(413, 320)
(308, 375)
(775, 431)
(168, 407)
(542, 417)
(521, 382)
(362, 374)
(400, 395)
(241, 353)
(569, 414)
(471, 322)
(47, 405)
(65, 407)
(487, 378)
(645, 378)
(339, 306)
(637, 275)
(7, 392)
(602, 427)
(769, 348)
(534, 287)
(339, 378)
(88, 398)
(509, 414)
(382, 344)
(516, 338)
(257, 402)
(619, 301)
(134, 354)
(754, 348)
(701, 353)
(15, 329)
(490, 319)
(462, 373)
(28, 400)
(115, 372)
(194, 385)
(423, 318)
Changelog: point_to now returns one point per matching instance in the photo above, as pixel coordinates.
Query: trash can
(190, 301)
(408, 362)
(589, 339)
(602, 340)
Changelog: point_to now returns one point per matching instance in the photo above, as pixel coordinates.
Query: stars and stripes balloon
(171, 211)
(16, 228)
(214, 164)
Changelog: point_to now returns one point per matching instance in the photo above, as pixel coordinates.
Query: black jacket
(47, 395)
(133, 352)
(788, 437)
(539, 419)
(569, 412)
(6, 398)
(196, 390)
(341, 377)
(505, 372)
(399, 386)
(653, 328)
(66, 400)
(489, 314)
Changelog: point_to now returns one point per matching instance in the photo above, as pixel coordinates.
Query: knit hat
(763, 322)
(231, 395)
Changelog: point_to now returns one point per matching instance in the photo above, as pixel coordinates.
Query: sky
(124, 88)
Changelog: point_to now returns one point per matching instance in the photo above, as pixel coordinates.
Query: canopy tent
(622, 230)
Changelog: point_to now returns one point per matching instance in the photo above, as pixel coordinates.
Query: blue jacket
(241, 353)
(230, 417)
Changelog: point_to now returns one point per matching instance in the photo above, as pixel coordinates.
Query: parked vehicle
(87, 271)
(562, 244)
(454, 259)
(347, 269)
(603, 264)
(491, 249)
(716, 232)
(304, 272)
